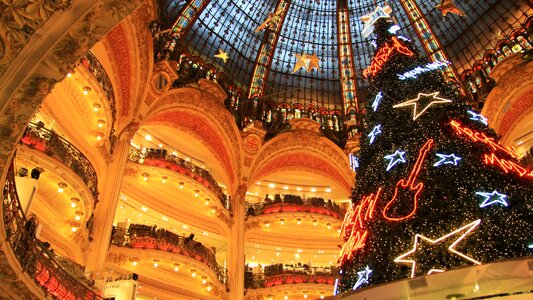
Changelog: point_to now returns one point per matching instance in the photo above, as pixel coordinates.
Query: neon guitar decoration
(410, 184)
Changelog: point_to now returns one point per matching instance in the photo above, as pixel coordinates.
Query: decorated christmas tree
(435, 188)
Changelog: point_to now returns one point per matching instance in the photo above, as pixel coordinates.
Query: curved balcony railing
(93, 65)
(147, 237)
(292, 203)
(56, 146)
(278, 275)
(160, 158)
(33, 255)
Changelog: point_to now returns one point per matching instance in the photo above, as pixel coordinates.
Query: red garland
(384, 54)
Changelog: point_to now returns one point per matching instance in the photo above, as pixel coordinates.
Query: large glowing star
(362, 278)
(371, 18)
(450, 159)
(492, 198)
(409, 186)
(395, 158)
(377, 100)
(447, 6)
(375, 131)
(458, 235)
(427, 99)
(477, 117)
(222, 55)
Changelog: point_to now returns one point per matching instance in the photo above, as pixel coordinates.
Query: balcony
(139, 236)
(293, 203)
(34, 257)
(59, 148)
(160, 158)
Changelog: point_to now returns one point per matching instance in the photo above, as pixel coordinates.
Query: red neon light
(409, 184)
(507, 165)
(481, 137)
(353, 226)
(384, 54)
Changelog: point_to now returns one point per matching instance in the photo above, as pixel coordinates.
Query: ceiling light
(148, 137)
(328, 190)
(277, 253)
(188, 159)
(271, 185)
(165, 218)
(62, 187)
(69, 74)
(206, 201)
(74, 202)
(282, 221)
(96, 107)
(145, 176)
(299, 189)
(329, 225)
(99, 136)
(267, 224)
(181, 185)
(258, 183)
(160, 145)
(164, 179)
(86, 90)
(209, 288)
(144, 209)
(156, 263)
(134, 263)
(305, 296)
(314, 222)
(285, 187)
(313, 190)
(205, 233)
(196, 193)
(78, 215)
(74, 229)
(193, 273)
(176, 267)
(298, 221)
(321, 296)
(101, 123)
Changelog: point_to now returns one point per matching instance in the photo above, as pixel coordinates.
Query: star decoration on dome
(478, 117)
(371, 18)
(427, 99)
(450, 159)
(306, 61)
(375, 131)
(447, 6)
(362, 277)
(395, 158)
(492, 198)
(458, 235)
(222, 55)
(271, 21)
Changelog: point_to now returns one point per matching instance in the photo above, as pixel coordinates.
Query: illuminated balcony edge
(307, 205)
(142, 238)
(34, 258)
(55, 146)
(181, 166)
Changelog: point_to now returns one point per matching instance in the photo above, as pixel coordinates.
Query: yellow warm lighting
(99, 136)
(285, 187)
(74, 202)
(86, 90)
(134, 263)
(313, 190)
(96, 107)
(74, 229)
(299, 189)
(148, 137)
(69, 74)
(328, 190)
(164, 179)
(101, 123)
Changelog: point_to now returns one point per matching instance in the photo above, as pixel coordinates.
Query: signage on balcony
(121, 290)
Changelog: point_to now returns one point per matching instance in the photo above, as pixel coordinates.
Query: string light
(354, 164)
(445, 159)
(465, 230)
(362, 277)
(478, 117)
(415, 102)
(507, 165)
(383, 56)
(375, 131)
(409, 184)
(483, 138)
(395, 158)
(426, 68)
(377, 100)
(492, 198)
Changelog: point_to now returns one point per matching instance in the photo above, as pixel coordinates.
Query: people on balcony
(287, 202)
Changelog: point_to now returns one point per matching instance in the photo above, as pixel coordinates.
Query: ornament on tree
(375, 104)
(492, 198)
(425, 217)
(448, 6)
(363, 278)
(222, 55)
(454, 237)
(478, 117)
(427, 100)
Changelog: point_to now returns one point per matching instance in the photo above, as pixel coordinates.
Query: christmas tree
(435, 188)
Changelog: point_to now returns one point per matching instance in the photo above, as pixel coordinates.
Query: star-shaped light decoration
(492, 198)
(377, 100)
(458, 234)
(375, 131)
(478, 117)
(313, 63)
(447, 6)
(395, 158)
(362, 277)
(371, 18)
(450, 159)
(302, 62)
(429, 99)
(222, 55)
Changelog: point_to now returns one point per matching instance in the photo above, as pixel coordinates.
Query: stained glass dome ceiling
(263, 61)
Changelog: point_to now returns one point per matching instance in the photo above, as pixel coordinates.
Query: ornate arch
(200, 112)
(304, 149)
(511, 99)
